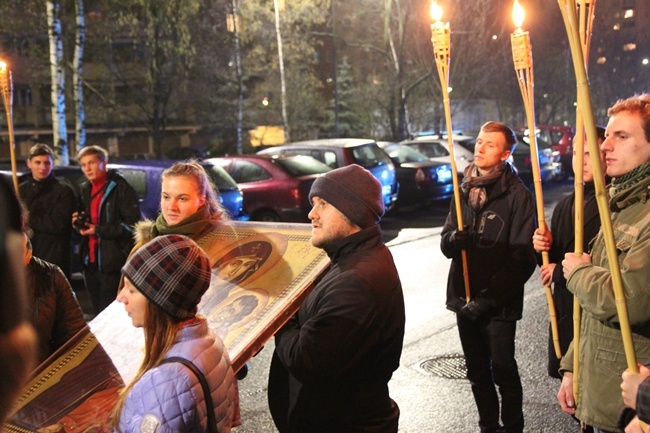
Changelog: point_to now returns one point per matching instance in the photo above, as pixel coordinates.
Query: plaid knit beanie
(173, 272)
(354, 191)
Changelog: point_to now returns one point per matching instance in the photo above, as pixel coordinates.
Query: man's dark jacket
(54, 310)
(562, 227)
(118, 212)
(50, 204)
(501, 258)
(333, 361)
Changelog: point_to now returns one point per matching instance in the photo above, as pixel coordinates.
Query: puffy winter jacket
(171, 395)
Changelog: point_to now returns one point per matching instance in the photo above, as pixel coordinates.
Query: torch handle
(440, 42)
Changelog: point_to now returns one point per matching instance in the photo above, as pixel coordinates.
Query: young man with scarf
(602, 355)
(498, 222)
(110, 208)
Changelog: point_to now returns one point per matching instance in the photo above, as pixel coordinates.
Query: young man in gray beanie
(334, 358)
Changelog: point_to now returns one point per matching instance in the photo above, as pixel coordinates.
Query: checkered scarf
(474, 184)
(173, 272)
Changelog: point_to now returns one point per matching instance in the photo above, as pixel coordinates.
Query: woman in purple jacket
(164, 282)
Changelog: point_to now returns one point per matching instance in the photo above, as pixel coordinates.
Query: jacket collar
(365, 239)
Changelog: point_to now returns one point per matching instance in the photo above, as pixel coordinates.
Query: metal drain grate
(446, 366)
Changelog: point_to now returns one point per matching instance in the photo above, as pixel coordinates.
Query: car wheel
(266, 215)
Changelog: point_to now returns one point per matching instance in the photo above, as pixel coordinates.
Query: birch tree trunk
(240, 81)
(77, 81)
(285, 120)
(55, 35)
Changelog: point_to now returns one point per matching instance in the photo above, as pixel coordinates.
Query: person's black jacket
(54, 310)
(501, 257)
(333, 361)
(50, 204)
(118, 212)
(562, 228)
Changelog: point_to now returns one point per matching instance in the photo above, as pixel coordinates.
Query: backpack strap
(212, 423)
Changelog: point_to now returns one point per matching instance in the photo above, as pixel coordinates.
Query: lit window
(601, 60)
(629, 47)
(629, 13)
(617, 26)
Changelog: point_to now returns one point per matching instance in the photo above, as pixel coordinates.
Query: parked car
(276, 187)
(144, 177)
(421, 180)
(560, 137)
(550, 166)
(437, 149)
(339, 152)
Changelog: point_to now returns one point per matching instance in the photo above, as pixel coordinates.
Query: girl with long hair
(163, 284)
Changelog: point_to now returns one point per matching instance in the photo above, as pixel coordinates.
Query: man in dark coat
(498, 219)
(109, 210)
(50, 204)
(333, 360)
(560, 240)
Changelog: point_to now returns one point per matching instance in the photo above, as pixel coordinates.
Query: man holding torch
(499, 217)
(602, 355)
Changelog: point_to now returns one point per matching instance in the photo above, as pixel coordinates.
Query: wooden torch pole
(585, 9)
(6, 89)
(440, 38)
(522, 56)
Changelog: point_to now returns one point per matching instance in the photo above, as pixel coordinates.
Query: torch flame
(518, 14)
(436, 11)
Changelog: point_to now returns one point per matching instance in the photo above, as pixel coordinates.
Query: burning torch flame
(436, 11)
(518, 15)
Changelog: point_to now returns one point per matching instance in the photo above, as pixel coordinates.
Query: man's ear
(505, 155)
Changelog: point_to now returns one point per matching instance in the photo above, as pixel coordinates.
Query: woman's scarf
(474, 184)
(191, 225)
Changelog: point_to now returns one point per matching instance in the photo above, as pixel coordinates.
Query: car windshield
(369, 156)
(523, 144)
(301, 165)
(405, 154)
(220, 177)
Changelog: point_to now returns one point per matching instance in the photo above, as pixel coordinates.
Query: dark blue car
(144, 177)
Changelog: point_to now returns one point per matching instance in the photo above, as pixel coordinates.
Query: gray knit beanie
(354, 191)
(173, 272)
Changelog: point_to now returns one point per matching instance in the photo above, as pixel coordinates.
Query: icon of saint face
(238, 268)
(240, 263)
(236, 311)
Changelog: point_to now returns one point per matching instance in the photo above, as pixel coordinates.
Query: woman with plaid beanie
(163, 283)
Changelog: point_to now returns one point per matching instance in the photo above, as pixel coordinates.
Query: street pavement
(436, 403)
